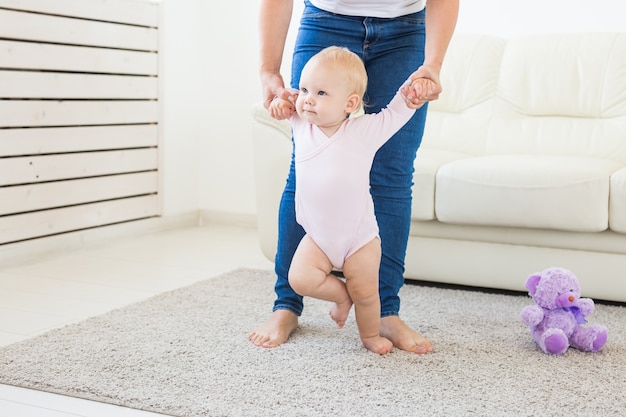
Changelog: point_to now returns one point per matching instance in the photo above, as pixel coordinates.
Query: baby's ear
(353, 103)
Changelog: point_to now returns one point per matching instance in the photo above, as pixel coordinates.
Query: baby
(333, 157)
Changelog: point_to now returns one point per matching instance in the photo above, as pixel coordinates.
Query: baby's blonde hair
(342, 59)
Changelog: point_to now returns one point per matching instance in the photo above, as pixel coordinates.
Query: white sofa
(522, 165)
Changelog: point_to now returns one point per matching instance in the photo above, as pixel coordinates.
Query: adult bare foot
(403, 337)
(339, 312)
(276, 330)
(378, 344)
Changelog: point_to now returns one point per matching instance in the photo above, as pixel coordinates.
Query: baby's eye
(321, 93)
(304, 90)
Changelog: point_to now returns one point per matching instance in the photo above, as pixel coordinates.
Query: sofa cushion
(427, 164)
(561, 95)
(552, 192)
(470, 74)
(617, 203)
(459, 119)
(580, 75)
(457, 123)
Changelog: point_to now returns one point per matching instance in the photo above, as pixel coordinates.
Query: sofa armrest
(272, 147)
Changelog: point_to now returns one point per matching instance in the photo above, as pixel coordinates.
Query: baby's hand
(418, 92)
(282, 108)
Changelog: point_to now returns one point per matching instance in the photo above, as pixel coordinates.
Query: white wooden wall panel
(56, 29)
(137, 12)
(40, 56)
(31, 84)
(78, 115)
(42, 196)
(35, 141)
(43, 223)
(39, 168)
(30, 113)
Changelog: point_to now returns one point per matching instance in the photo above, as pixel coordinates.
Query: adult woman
(396, 40)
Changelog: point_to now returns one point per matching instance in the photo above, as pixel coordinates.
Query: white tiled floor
(68, 288)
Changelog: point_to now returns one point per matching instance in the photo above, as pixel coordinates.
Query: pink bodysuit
(333, 201)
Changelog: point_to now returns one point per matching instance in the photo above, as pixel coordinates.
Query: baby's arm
(379, 127)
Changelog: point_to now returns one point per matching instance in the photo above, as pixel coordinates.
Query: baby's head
(336, 73)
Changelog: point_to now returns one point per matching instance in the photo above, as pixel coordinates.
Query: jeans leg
(395, 49)
(290, 233)
(391, 180)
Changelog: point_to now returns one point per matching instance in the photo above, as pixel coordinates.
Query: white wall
(210, 81)
(510, 18)
(179, 98)
(209, 55)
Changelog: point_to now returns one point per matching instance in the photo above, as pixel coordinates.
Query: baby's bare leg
(309, 275)
(361, 272)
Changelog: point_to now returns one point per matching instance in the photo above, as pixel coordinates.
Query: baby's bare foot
(378, 344)
(403, 337)
(276, 330)
(339, 312)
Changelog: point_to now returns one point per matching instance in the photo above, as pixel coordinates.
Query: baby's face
(323, 96)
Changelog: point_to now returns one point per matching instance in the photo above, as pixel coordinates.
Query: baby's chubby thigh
(309, 267)
(361, 270)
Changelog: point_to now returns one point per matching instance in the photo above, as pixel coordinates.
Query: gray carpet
(186, 353)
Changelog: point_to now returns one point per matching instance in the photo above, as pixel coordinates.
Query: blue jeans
(391, 49)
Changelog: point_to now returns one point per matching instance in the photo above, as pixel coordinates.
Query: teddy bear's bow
(578, 315)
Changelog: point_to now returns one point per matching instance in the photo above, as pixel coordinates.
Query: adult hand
(425, 86)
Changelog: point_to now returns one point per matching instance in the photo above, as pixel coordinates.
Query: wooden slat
(27, 84)
(15, 113)
(137, 12)
(33, 197)
(78, 115)
(38, 56)
(34, 169)
(49, 222)
(54, 29)
(14, 142)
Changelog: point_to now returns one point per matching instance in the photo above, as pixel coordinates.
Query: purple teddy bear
(556, 317)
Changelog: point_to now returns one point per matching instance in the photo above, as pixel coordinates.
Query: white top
(371, 8)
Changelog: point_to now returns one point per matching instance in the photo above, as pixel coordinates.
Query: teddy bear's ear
(531, 283)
